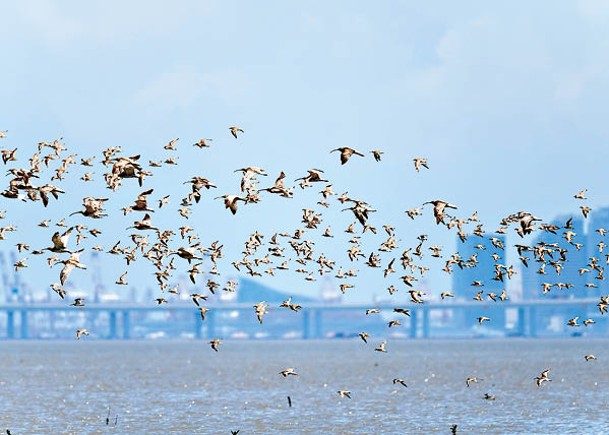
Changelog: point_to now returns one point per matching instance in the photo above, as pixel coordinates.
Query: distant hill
(251, 291)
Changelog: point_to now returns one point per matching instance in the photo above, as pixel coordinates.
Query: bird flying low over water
(543, 377)
(288, 372)
(471, 380)
(399, 381)
(215, 343)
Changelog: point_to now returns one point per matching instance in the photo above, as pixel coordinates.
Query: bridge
(117, 321)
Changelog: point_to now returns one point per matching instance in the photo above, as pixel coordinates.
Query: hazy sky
(506, 100)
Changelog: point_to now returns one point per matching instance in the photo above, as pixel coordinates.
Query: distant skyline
(506, 102)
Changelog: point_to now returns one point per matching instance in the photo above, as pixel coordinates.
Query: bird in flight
(234, 130)
(215, 343)
(346, 153)
(420, 162)
(81, 332)
(344, 393)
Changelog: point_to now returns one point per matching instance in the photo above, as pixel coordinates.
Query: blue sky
(505, 100)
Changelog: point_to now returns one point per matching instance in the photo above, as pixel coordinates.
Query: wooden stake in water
(289, 401)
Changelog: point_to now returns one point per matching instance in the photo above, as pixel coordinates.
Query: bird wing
(65, 273)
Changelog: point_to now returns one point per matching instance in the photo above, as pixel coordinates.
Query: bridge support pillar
(10, 324)
(533, 321)
(318, 326)
(112, 321)
(197, 324)
(210, 320)
(425, 323)
(306, 324)
(413, 323)
(522, 322)
(24, 324)
(126, 325)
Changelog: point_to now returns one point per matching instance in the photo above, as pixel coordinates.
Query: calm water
(186, 388)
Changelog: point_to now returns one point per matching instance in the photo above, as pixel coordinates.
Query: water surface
(184, 387)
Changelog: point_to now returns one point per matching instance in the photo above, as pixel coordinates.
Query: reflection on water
(184, 387)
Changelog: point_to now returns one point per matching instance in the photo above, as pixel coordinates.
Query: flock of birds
(37, 178)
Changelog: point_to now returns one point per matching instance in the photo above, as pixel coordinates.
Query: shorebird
(234, 130)
(581, 194)
(81, 332)
(9, 156)
(364, 336)
(94, 207)
(141, 203)
(377, 154)
(381, 347)
(403, 311)
(439, 207)
(314, 175)
(78, 302)
(196, 296)
(202, 143)
(215, 343)
(203, 311)
(56, 287)
(69, 265)
(144, 225)
(288, 372)
(589, 357)
(20, 264)
(344, 393)
(121, 279)
(230, 201)
(346, 153)
(539, 380)
(420, 162)
(483, 319)
(188, 254)
(471, 379)
(573, 321)
(260, 309)
(171, 144)
(399, 381)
